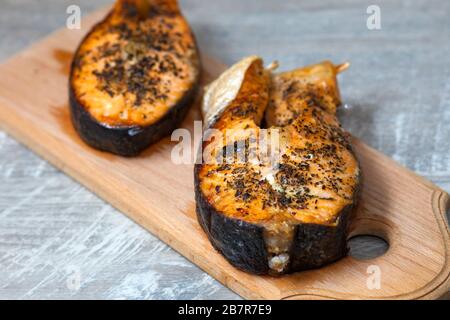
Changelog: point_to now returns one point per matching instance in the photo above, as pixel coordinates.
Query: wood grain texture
(397, 205)
(397, 92)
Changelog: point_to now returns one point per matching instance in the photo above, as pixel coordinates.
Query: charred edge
(127, 141)
(243, 244)
(316, 245)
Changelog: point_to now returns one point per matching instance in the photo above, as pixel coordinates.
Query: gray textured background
(53, 230)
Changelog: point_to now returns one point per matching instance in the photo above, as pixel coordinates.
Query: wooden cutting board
(397, 205)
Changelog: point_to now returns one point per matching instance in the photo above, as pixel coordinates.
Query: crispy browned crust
(243, 244)
(240, 242)
(131, 140)
(246, 230)
(126, 141)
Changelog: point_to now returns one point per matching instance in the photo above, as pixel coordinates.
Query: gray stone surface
(53, 232)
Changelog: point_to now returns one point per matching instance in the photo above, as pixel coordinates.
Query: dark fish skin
(126, 141)
(251, 235)
(243, 245)
(240, 242)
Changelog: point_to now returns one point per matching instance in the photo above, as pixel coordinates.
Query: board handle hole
(365, 247)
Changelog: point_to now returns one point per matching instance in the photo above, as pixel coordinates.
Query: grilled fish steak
(290, 213)
(134, 76)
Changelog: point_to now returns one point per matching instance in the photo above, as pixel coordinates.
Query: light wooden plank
(396, 204)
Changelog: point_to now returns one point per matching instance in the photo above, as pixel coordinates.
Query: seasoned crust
(240, 242)
(290, 215)
(244, 246)
(127, 141)
(134, 76)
